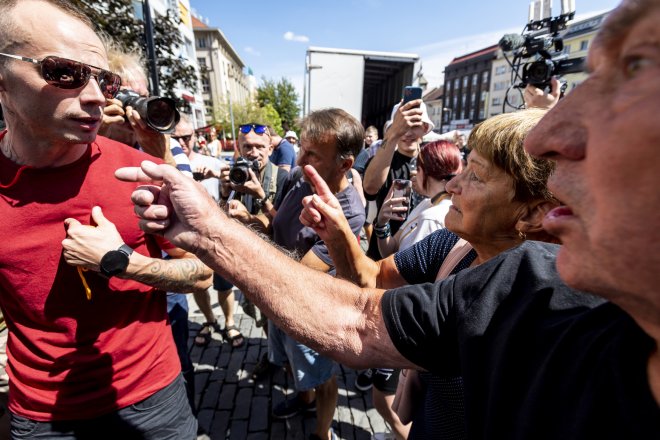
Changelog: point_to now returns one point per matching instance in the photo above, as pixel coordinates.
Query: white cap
(425, 117)
(291, 134)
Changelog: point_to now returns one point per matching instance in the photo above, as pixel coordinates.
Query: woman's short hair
(439, 160)
(500, 140)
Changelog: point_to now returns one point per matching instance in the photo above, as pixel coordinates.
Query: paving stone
(227, 397)
(238, 430)
(242, 404)
(259, 414)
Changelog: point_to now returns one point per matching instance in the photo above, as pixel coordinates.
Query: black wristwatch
(115, 262)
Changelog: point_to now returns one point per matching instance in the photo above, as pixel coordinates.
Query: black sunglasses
(184, 138)
(69, 74)
(258, 128)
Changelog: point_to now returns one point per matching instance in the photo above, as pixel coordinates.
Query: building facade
(466, 89)
(434, 106)
(223, 77)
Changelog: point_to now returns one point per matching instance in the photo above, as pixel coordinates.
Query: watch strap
(126, 249)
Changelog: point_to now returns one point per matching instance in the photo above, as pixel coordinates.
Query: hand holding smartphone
(402, 189)
(411, 93)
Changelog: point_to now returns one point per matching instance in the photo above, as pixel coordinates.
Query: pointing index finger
(317, 182)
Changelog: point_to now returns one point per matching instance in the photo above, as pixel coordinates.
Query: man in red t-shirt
(81, 286)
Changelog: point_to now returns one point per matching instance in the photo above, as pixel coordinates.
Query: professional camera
(539, 73)
(239, 173)
(159, 113)
(541, 40)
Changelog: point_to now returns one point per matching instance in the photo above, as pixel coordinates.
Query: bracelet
(383, 231)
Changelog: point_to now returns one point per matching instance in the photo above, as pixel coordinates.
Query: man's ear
(346, 164)
(531, 222)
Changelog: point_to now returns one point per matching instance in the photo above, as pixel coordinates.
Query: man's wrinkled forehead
(621, 21)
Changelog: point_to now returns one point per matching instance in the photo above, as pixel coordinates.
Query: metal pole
(231, 114)
(151, 49)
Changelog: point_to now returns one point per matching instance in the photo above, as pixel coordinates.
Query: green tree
(244, 113)
(116, 18)
(283, 97)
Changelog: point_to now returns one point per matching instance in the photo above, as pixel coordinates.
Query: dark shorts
(165, 415)
(386, 380)
(220, 284)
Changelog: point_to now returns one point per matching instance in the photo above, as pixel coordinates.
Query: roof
(367, 53)
(489, 49)
(197, 23)
(199, 26)
(434, 94)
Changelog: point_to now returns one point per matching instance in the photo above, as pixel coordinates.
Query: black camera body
(545, 46)
(539, 73)
(158, 112)
(239, 172)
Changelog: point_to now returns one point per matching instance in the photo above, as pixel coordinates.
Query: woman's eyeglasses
(69, 74)
(258, 128)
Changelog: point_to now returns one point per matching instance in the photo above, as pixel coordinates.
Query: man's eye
(633, 64)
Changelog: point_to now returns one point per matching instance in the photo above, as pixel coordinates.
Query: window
(482, 113)
(464, 100)
(455, 101)
(473, 99)
(500, 70)
(456, 83)
(484, 95)
(567, 49)
(584, 45)
(202, 63)
(484, 77)
(475, 78)
(500, 85)
(201, 42)
(497, 101)
(465, 81)
(206, 85)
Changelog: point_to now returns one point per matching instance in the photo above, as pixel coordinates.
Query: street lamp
(151, 49)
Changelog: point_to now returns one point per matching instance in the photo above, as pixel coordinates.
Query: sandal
(203, 336)
(237, 340)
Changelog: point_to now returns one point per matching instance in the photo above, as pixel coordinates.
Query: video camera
(159, 113)
(541, 40)
(239, 172)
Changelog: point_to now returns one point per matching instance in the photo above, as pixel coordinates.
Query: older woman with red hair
(437, 163)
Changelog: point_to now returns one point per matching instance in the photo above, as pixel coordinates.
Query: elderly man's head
(184, 133)
(33, 107)
(254, 142)
(605, 139)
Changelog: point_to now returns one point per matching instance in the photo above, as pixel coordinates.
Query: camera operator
(255, 191)
(540, 98)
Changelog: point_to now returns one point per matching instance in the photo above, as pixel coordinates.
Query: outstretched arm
(85, 245)
(323, 213)
(340, 319)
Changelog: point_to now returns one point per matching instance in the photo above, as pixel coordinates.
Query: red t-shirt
(69, 357)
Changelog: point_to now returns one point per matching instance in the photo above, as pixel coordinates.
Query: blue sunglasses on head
(258, 128)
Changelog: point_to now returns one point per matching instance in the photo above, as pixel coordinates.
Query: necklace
(439, 197)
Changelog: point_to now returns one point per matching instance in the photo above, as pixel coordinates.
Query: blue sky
(272, 36)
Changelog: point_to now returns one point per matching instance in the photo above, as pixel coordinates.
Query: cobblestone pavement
(232, 406)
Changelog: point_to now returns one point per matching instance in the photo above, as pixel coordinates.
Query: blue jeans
(164, 415)
(308, 367)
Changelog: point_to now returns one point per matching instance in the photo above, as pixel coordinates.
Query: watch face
(113, 263)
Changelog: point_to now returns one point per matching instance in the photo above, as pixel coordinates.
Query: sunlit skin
(483, 211)
(56, 124)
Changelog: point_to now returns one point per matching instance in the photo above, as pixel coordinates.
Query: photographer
(253, 177)
(124, 124)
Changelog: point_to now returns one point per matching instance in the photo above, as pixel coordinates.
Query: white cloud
(252, 51)
(290, 36)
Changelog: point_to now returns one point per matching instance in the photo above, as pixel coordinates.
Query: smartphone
(411, 93)
(402, 188)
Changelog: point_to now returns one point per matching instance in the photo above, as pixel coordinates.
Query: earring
(522, 235)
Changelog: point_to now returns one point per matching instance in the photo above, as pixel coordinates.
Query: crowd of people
(507, 288)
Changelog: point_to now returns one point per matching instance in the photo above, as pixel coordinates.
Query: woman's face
(483, 210)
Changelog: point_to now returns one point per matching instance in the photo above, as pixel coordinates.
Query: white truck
(364, 83)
